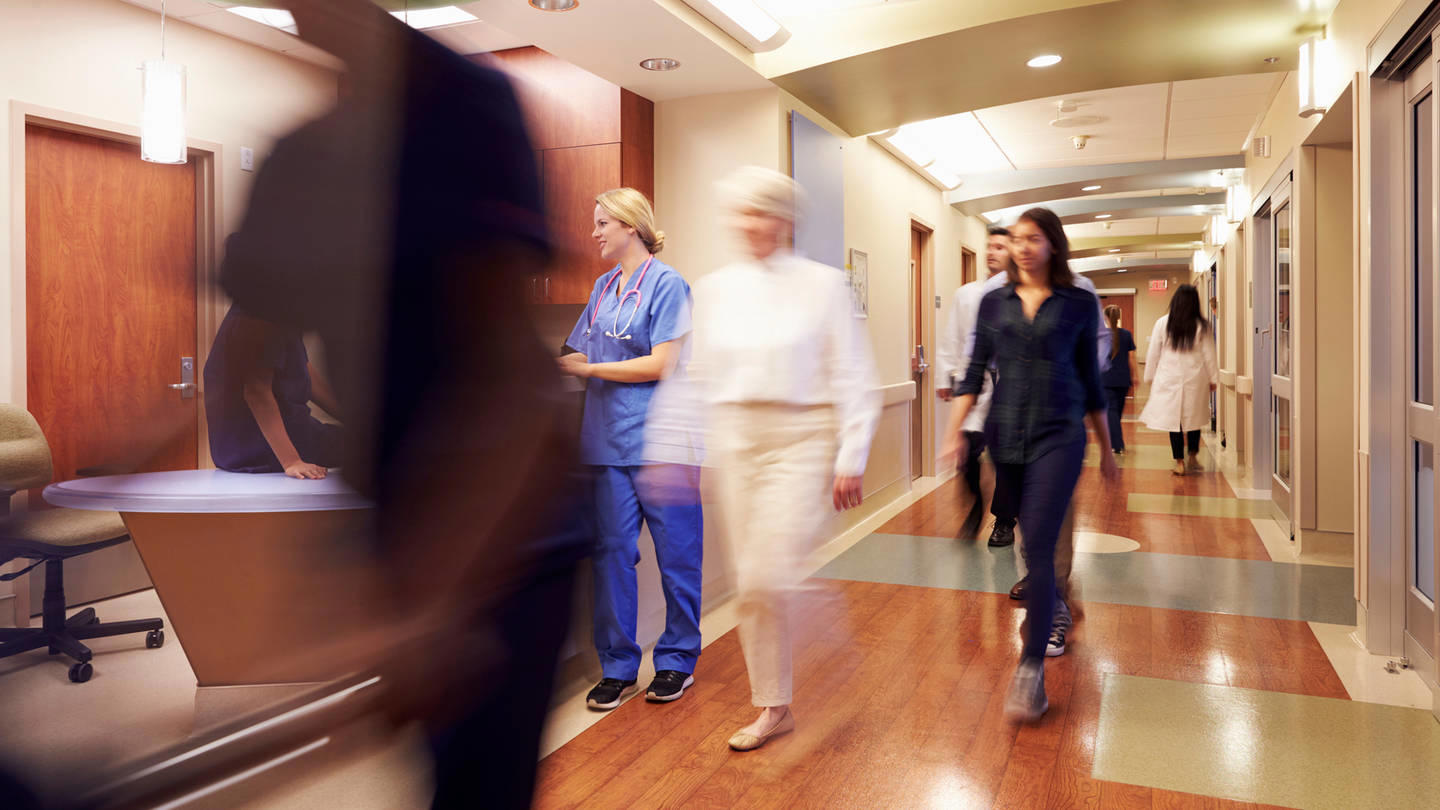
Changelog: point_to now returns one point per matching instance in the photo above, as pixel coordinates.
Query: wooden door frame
(209, 219)
(925, 274)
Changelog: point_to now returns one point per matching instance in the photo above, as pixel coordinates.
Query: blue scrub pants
(678, 531)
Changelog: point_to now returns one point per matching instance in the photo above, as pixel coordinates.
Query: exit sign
(1159, 284)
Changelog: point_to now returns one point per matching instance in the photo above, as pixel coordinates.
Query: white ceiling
(1198, 118)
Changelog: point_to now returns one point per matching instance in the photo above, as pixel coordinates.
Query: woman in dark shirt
(1120, 376)
(1039, 330)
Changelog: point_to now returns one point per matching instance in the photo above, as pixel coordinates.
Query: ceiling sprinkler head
(1080, 141)
(1107, 224)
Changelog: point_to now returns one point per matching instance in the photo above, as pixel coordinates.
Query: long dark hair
(1185, 318)
(1050, 225)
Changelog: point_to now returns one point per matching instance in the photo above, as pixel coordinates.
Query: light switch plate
(937, 302)
(247, 159)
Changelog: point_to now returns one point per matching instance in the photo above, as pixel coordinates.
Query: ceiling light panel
(434, 17)
(745, 20)
(805, 8)
(957, 144)
(273, 17)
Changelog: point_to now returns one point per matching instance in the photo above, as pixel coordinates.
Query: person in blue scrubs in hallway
(627, 339)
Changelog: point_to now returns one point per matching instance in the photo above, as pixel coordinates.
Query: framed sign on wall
(858, 271)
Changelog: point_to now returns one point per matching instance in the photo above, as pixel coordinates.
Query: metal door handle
(547, 289)
(186, 386)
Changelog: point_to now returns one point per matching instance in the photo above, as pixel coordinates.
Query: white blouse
(781, 330)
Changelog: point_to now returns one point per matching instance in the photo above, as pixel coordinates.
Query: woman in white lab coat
(1180, 365)
(783, 375)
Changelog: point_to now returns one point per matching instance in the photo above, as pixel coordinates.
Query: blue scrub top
(612, 432)
(236, 443)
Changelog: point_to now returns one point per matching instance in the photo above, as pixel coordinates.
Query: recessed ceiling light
(1103, 216)
(1114, 250)
(660, 63)
(1122, 270)
(555, 5)
(1045, 60)
(1090, 188)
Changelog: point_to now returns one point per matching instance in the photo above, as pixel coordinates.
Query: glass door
(1282, 394)
(1420, 363)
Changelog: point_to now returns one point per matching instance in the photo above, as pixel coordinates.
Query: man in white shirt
(953, 358)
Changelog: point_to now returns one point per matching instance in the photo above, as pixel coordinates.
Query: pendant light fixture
(162, 115)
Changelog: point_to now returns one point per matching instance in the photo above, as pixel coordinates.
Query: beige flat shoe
(742, 741)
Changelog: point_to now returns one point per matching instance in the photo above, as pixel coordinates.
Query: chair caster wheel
(155, 639)
(81, 672)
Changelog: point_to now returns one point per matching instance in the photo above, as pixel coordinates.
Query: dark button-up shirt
(1049, 375)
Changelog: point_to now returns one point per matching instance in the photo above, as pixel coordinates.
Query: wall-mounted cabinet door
(572, 178)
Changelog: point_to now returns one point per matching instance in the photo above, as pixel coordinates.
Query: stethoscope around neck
(615, 331)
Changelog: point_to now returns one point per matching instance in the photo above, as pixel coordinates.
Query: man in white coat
(953, 359)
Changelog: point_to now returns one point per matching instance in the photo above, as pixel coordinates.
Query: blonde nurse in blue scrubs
(627, 339)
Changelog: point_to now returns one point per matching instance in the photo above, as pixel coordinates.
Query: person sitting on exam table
(258, 387)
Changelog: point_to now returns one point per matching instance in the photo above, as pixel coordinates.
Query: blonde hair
(632, 209)
(753, 188)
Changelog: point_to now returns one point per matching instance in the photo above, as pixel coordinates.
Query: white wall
(81, 58)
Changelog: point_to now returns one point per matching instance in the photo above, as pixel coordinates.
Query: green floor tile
(1266, 747)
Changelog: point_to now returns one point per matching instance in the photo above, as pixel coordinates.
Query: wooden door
(967, 265)
(110, 262)
(572, 179)
(919, 354)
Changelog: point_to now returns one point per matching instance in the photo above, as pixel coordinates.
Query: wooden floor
(900, 689)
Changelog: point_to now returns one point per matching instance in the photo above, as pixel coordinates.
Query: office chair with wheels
(52, 536)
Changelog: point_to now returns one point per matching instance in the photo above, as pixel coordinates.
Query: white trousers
(774, 466)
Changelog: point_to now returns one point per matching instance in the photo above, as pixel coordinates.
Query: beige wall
(1352, 26)
(84, 63)
(1334, 356)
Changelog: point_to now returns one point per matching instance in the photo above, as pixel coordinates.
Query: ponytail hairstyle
(1185, 319)
(1112, 316)
(630, 207)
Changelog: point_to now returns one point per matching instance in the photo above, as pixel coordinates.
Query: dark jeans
(1042, 489)
(970, 464)
(1116, 408)
(1179, 440)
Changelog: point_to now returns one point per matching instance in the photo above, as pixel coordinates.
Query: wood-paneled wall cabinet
(591, 136)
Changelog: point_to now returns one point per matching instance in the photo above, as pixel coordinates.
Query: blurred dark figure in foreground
(398, 227)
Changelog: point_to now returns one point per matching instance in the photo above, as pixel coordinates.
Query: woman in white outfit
(1180, 365)
(786, 380)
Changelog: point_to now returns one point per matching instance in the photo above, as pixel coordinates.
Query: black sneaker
(1026, 702)
(669, 684)
(1056, 645)
(1003, 535)
(609, 693)
(970, 529)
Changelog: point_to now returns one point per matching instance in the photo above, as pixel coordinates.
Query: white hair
(754, 188)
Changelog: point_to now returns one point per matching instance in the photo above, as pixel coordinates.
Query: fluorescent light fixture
(419, 18)
(660, 63)
(1090, 188)
(1103, 216)
(800, 8)
(423, 18)
(949, 148)
(1235, 203)
(1313, 76)
(1044, 60)
(273, 17)
(162, 114)
(744, 20)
